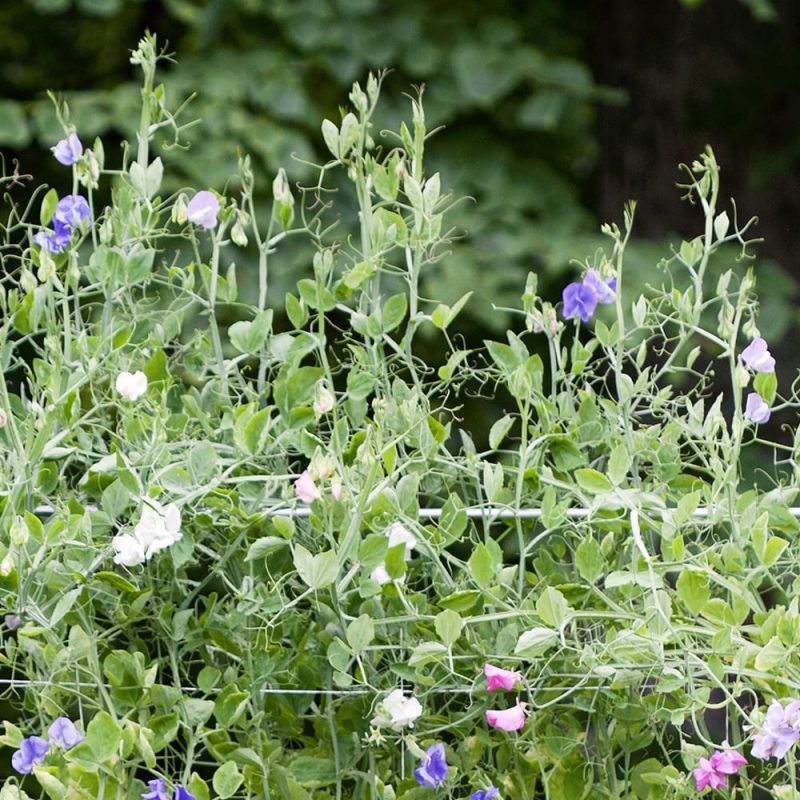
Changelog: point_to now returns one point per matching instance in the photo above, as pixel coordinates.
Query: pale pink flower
(509, 719)
(203, 209)
(306, 489)
(497, 678)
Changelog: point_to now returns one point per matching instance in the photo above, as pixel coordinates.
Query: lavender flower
(780, 731)
(432, 772)
(756, 410)
(68, 150)
(158, 790)
(64, 733)
(72, 211)
(31, 752)
(56, 241)
(756, 356)
(485, 794)
(203, 209)
(606, 290)
(580, 300)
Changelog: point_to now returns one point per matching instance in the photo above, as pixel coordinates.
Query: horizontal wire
(498, 512)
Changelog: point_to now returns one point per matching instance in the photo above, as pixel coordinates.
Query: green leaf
(139, 266)
(619, 462)
(48, 207)
(296, 311)
(592, 481)
(264, 546)
(589, 559)
(330, 133)
(227, 779)
(481, 566)
(766, 384)
(115, 500)
(103, 736)
(360, 632)
(316, 571)
(499, 430)
(313, 772)
(249, 336)
(256, 430)
(64, 605)
(552, 607)
(448, 626)
(393, 312)
(50, 783)
(772, 655)
(203, 461)
(453, 520)
(535, 642)
(693, 589)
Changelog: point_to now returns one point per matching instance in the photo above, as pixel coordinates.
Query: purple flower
(780, 731)
(756, 410)
(756, 356)
(12, 621)
(203, 209)
(158, 790)
(68, 150)
(485, 794)
(72, 211)
(55, 241)
(183, 794)
(433, 769)
(31, 752)
(580, 300)
(64, 733)
(606, 290)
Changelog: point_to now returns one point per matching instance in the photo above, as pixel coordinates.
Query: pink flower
(727, 761)
(497, 678)
(706, 775)
(509, 719)
(306, 489)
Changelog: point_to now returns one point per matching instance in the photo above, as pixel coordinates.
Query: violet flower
(64, 733)
(756, 409)
(606, 290)
(31, 752)
(485, 794)
(72, 211)
(756, 356)
(181, 793)
(432, 772)
(780, 731)
(579, 301)
(54, 242)
(158, 790)
(68, 150)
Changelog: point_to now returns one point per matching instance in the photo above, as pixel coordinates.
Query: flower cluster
(756, 357)
(157, 790)
(320, 469)
(714, 771)
(581, 298)
(72, 212)
(158, 528)
(508, 719)
(33, 749)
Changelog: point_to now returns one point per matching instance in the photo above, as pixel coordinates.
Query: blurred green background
(555, 113)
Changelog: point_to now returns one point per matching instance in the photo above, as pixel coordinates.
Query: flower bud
(721, 225)
(3, 418)
(19, 531)
(323, 399)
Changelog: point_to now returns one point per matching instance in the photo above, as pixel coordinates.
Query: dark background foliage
(554, 115)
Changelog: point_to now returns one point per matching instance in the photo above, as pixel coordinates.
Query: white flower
(324, 400)
(131, 386)
(382, 577)
(158, 527)
(397, 711)
(128, 550)
(399, 534)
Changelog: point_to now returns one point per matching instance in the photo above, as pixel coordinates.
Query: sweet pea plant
(217, 570)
